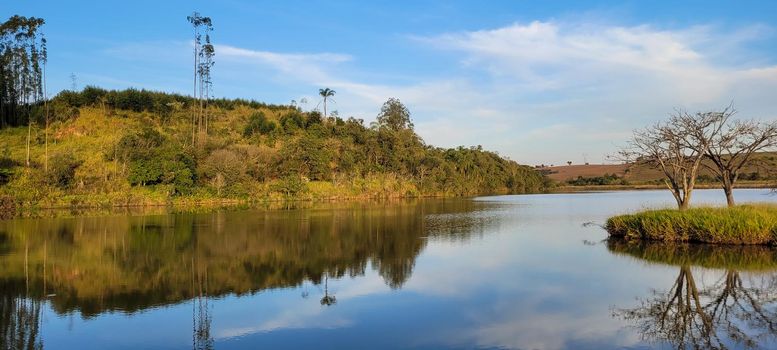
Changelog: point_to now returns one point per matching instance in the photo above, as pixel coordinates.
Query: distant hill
(763, 168)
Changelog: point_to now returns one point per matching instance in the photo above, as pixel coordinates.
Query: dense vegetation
(134, 147)
(606, 179)
(746, 224)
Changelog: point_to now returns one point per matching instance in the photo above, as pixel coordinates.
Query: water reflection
(20, 323)
(127, 264)
(738, 309)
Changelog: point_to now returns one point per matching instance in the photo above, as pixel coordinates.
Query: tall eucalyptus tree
(20, 71)
(203, 61)
(45, 59)
(207, 52)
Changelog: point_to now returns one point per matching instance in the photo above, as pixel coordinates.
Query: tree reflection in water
(20, 315)
(731, 312)
(128, 264)
(327, 299)
(201, 313)
(20, 321)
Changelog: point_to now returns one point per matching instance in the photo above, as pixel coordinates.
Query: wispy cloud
(311, 67)
(591, 59)
(567, 81)
(573, 87)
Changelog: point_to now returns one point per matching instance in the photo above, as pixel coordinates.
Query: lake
(502, 272)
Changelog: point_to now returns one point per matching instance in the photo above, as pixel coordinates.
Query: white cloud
(308, 66)
(570, 81)
(538, 92)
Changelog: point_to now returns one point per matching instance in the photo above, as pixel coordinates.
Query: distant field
(765, 168)
(570, 172)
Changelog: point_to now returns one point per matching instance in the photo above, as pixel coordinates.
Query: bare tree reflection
(731, 312)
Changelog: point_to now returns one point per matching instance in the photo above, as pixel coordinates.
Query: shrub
(607, 179)
(62, 170)
(305, 156)
(293, 121)
(7, 169)
(258, 124)
(314, 118)
(7, 207)
(290, 186)
(154, 160)
(224, 168)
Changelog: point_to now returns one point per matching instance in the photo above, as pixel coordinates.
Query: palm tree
(326, 93)
(327, 300)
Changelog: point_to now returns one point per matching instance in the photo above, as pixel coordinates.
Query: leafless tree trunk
(29, 133)
(733, 148)
(195, 20)
(676, 147)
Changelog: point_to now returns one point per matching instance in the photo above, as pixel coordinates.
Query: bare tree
(677, 148)
(733, 148)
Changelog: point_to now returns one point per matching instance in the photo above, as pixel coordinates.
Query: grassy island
(744, 224)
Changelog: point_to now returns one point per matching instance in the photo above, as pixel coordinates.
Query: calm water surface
(506, 272)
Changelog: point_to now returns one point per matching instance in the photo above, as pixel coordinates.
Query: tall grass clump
(745, 224)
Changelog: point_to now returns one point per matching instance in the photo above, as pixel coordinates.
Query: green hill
(137, 147)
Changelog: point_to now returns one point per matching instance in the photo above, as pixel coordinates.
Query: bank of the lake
(744, 224)
(143, 200)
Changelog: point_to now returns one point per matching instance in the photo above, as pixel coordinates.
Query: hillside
(135, 147)
(762, 169)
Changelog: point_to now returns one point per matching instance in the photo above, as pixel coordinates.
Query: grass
(744, 224)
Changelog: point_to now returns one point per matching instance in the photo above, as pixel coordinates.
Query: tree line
(23, 55)
(250, 153)
(686, 142)
(296, 146)
(204, 146)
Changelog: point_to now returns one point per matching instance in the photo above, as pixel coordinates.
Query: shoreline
(189, 205)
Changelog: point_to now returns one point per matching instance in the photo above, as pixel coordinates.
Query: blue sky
(540, 82)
